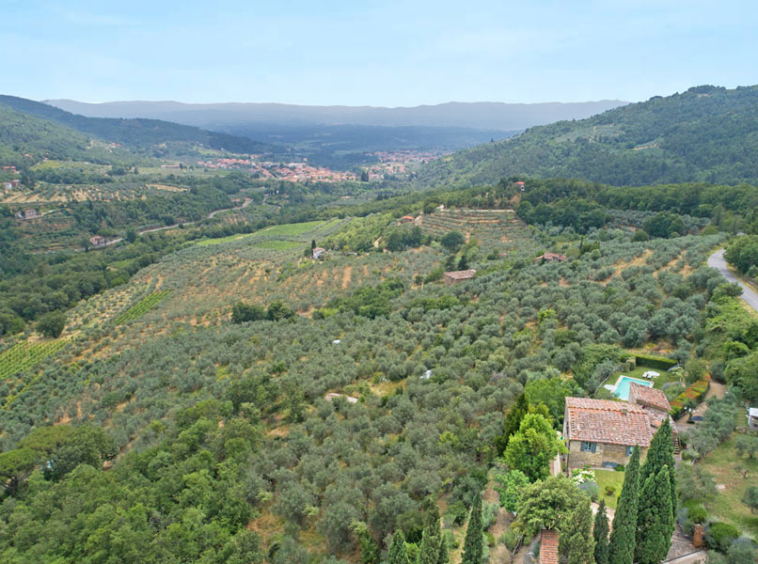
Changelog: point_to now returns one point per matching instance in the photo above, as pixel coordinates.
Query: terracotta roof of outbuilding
(607, 421)
(649, 396)
(549, 547)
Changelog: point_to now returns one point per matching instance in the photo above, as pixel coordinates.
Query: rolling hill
(134, 133)
(22, 134)
(704, 134)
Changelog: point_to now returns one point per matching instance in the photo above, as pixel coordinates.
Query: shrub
(591, 489)
(721, 535)
(697, 514)
(456, 513)
(655, 361)
(610, 490)
(619, 468)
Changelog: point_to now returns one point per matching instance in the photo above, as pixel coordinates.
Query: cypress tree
(473, 546)
(398, 553)
(655, 523)
(432, 534)
(660, 454)
(443, 558)
(600, 533)
(430, 548)
(576, 539)
(512, 422)
(623, 535)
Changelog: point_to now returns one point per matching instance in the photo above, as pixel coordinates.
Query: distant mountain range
(707, 133)
(135, 133)
(492, 116)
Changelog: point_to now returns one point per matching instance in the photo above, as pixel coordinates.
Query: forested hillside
(135, 133)
(22, 135)
(704, 134)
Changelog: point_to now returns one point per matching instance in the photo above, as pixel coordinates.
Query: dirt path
(499, 554)
(716, 390)
(346, 276)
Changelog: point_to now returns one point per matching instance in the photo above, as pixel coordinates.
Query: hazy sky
(379, 53)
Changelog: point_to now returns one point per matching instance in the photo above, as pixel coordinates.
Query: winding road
(717, 261)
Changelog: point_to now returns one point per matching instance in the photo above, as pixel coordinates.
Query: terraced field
(141, 307)
(25, 355)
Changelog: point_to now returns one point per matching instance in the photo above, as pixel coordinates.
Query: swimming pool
(622, 386)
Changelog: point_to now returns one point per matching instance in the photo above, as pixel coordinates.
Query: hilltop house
(603, 432)
(406, 219)
(317, 252)
(550, 257)
(458, 276)
(98, 241)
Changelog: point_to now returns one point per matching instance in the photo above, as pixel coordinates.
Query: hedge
(695, 392)
(654, 361)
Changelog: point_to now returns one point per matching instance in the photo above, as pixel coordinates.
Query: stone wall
(603, 453)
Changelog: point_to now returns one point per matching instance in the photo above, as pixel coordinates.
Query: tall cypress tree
(655, 523)
(473, 546)
(430, 548)
(600, 533)
(398, 553)
(512, 422)
(576, 540)
(621, 547)
(660, 454)
(442, 557)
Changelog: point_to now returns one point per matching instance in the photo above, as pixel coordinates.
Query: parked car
(694, 419)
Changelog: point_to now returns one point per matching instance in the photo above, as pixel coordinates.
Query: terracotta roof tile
(648, 396)
(607, 421)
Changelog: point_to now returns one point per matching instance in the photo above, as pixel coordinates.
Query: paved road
(717, 261)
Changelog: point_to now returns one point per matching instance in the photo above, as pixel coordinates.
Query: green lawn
(609, 478)
(723, 463)
(638, 372)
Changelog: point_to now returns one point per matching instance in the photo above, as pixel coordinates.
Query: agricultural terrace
(480, 341)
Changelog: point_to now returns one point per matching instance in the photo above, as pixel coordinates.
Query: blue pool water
(622, 386)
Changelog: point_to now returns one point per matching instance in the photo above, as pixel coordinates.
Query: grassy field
(285, 230)
(222, 240)
(723, 463)
(291, 229)
(278, 245)
(609, 478)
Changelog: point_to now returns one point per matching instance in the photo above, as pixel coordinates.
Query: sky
(364, 52)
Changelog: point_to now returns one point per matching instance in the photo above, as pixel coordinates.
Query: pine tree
(473, 546)
(398, 553)
(660, 454)
(623, 535)
(576, 539)
(600, 533)
(655, 523)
